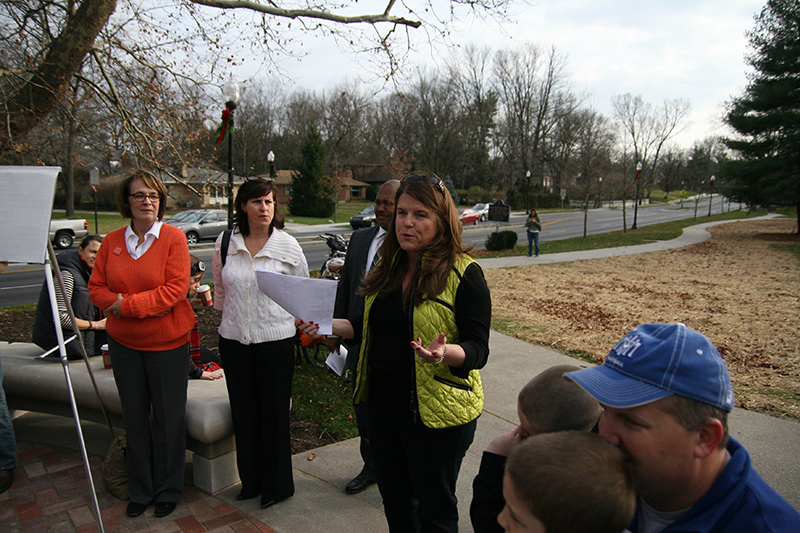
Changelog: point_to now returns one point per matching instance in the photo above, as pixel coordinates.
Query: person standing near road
(76, 267)
(363, 251)
(534, 225)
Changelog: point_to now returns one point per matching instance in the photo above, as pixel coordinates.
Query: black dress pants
(153, 384)
(259, 381)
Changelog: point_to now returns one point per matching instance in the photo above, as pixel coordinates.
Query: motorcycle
(332, 267)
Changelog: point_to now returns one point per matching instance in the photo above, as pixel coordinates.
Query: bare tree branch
(311, 13)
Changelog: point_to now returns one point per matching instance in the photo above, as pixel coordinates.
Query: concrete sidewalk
(321, 505)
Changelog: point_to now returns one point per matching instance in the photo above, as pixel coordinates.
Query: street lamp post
(271, 159)
(711, 196)
(636, 199)
(600, 192)
(230, 91)
(528, 191)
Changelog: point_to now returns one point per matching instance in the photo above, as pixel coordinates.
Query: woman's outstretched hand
(434, 353)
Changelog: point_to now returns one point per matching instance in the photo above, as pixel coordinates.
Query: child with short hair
(547, 403)
(203, 363)
(567, 482)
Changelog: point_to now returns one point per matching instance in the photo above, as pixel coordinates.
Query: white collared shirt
(374, 246)
(137, 250)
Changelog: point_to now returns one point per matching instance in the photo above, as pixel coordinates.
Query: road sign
(94, 176)
(499, 212)
(563, 194)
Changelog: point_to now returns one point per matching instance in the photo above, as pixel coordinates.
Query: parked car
(63, 232)
(180, 215)
(364, 219)
(468, 216)
(199, 224)
(482, 210)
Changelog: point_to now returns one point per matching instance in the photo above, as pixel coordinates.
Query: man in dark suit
(362, 254)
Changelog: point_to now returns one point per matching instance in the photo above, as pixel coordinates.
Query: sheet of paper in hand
(309, 299)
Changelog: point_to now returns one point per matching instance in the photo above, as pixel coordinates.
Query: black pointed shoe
(358, 484)
(246, 495)
(164, 508)
(6, 479)
(135, 509)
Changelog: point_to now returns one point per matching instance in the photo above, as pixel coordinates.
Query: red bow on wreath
(224, 126)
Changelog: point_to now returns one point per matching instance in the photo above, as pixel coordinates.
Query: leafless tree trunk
(40, 93)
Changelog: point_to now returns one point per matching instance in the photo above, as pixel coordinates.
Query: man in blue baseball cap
(666, 394)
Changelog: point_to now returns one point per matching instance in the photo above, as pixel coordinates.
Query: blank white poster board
(26, 201)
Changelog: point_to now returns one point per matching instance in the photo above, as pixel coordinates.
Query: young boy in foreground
(567, 482)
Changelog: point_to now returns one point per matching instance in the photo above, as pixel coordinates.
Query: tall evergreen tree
(767, 116)
(312, 192)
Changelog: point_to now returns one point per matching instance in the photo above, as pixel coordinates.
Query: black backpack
(223, 251)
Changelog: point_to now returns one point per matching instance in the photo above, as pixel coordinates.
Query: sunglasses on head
(430, 180)
(198, 268)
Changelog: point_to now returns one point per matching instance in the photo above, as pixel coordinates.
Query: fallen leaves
(738, 288)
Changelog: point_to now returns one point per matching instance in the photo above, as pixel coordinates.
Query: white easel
(26, 199)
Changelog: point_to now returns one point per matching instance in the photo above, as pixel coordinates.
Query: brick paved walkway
(51, 493)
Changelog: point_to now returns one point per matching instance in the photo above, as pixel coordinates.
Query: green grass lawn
(108, 221)
(344, 210)
(642, 235)
(322, 397)
(657, 195)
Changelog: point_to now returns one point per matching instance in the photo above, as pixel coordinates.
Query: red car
(468, 216)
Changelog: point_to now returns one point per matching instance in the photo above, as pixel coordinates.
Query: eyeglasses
(140, 196)
(430, 180)
(198, 268)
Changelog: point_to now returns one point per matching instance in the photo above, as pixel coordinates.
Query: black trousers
(153, 383)
(417, 468)
(365, 446)
(259, 380)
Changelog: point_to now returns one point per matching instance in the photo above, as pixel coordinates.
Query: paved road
(21, 284)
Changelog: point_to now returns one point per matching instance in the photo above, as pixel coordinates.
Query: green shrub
(503, 240)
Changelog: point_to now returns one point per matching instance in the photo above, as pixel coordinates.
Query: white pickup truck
(63, 232)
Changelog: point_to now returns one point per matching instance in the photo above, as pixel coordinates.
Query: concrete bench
(32, 384)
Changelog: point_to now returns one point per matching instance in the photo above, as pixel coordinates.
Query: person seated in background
(203, 363)
(547, 403)
(666, 394)
(567, 482)
(76, 267)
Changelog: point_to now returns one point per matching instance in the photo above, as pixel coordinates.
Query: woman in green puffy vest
(426, 333)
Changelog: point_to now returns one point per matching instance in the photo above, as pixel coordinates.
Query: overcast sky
(690, 49)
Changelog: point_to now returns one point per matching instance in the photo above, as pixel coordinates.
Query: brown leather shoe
(6, 479)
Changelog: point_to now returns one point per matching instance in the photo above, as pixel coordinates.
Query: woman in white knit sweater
(257, 341)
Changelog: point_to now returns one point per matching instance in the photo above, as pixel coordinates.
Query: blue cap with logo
(654, 361)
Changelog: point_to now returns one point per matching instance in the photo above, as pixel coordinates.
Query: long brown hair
(438, 258)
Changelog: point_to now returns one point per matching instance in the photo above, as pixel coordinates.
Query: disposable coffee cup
(106, 356)
(205, 295)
